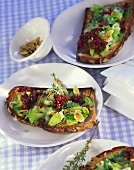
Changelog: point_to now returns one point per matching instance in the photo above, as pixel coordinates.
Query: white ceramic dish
(66, 45)
(36, 27)
(39, 76)
(67, 152)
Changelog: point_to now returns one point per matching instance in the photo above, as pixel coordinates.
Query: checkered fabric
(13, 14)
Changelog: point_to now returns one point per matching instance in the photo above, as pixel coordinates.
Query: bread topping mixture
(54, 105)
(107, 27)
(117, 161)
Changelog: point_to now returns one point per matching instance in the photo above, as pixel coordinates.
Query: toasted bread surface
(129, 154)
(86, 57)
(88, 123)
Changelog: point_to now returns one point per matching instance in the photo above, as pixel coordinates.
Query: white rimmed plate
(67, 152)
(67, 29)
(39, 76)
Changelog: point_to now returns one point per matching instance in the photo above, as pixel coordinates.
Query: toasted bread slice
(126, 152)
(34, 99)
(104, 44)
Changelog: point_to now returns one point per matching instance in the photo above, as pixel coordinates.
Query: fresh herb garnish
(54, 76)
(69, 104)
(79, 157)
(97, 7)
(70, 116)
(92, 52)
(70, 94)
(127, 13)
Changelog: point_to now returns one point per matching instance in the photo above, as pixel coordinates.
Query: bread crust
(88, 59)
(89, 123)
(92, 164)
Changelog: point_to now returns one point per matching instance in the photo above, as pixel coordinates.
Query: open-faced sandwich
(55, 109)
(105, 29)
(118, 158)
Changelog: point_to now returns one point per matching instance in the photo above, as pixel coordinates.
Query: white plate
(67, 152)
(67, 29)
(39, 76)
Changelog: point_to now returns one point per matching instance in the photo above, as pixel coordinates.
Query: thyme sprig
(79, 157)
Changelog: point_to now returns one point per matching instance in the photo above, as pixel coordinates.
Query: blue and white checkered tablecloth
(13, 14)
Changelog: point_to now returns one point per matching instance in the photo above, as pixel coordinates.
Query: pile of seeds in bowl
(30, 47)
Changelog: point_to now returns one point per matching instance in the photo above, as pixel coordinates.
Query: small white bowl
(37, 27)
